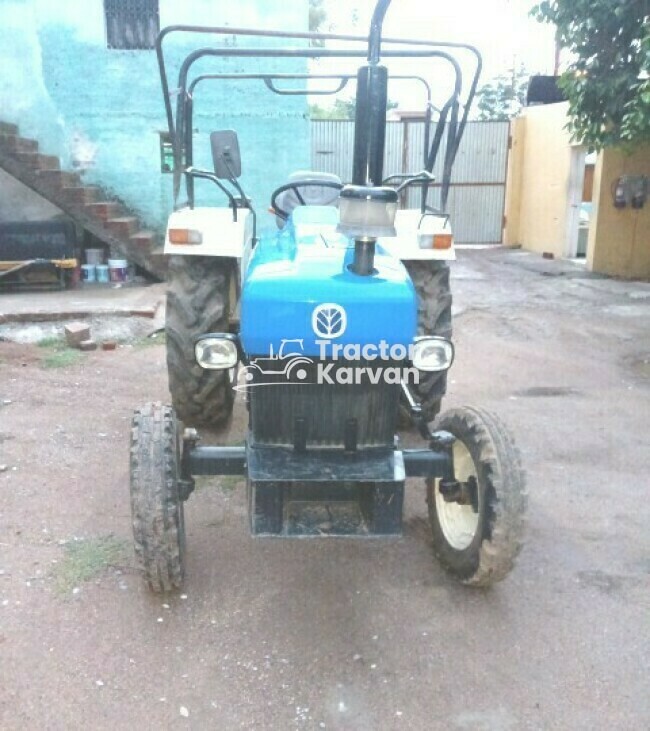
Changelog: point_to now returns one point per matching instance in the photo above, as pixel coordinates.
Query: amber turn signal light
(185, 236)
(442, 241)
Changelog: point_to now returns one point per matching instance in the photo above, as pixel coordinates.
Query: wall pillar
(619, 238)
(514, 182)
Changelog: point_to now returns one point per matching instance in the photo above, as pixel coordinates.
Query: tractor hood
(298, 292)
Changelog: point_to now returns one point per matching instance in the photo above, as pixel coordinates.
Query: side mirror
(225, 154)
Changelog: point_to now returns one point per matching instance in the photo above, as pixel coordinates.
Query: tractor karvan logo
(329, 321)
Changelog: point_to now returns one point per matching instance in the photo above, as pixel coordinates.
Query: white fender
(216, 232)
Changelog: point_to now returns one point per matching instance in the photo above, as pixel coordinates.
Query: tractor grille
(297, 411)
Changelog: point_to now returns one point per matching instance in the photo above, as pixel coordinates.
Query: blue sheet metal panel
(288, 279)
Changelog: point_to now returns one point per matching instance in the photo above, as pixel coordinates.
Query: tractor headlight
(432, 354)
(217, 352)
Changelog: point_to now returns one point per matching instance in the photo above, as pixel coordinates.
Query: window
(131, 24)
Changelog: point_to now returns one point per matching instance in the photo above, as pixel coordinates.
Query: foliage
(504, 96)
(317, 17)
(62, 358)
(148, 341)
(52, 341)
(341, 109)
(606, 81)
(59, 354)
(85, 559)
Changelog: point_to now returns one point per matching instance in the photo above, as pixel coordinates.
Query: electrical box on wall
(630, 190)
(166, 153)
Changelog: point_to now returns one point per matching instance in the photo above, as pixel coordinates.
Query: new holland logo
(329, 321)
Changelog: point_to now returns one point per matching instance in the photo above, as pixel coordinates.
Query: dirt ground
(343, 634)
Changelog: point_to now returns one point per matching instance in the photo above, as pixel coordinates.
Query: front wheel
(156, 505)
(478, 534)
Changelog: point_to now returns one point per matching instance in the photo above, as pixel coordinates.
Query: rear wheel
(431, 282)
(477, 536)
(156, 506)
(198, 302)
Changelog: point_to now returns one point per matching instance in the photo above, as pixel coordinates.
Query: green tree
(341, 109)
(607, 78)
(317, 18)
(503, 96)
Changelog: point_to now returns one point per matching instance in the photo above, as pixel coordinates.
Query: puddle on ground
(547, 392)
(640, 365)
(601, 580)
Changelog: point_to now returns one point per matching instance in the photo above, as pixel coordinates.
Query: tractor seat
(313, 195)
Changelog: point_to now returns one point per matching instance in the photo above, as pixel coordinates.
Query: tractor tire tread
(505, 481)
(431, 282)
(156, 508)
(198, 294)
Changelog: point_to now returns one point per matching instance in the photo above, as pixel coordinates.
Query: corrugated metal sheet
(331, 143)
(478, 181)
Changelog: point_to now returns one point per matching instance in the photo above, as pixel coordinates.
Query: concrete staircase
(93, 209)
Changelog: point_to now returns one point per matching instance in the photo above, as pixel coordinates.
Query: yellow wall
(619, 239)
(514, 182)
(538, 180)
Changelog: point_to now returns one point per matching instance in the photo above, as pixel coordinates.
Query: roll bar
(399, 48)
(429, 154)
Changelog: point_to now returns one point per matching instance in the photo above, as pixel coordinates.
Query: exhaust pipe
(370, 117)
(370, 130)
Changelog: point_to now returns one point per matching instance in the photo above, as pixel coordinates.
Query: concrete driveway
(343, 634)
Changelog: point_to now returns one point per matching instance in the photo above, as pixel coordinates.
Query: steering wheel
(295, 186)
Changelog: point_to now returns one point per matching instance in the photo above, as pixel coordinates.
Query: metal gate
(477, 194)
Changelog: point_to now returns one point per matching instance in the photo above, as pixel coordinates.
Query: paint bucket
(95, 256)
(118, 270)
(87, 272)
(102, 273)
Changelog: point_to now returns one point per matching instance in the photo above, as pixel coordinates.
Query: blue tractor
(332, 328)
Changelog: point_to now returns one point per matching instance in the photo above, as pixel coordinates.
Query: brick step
(59, 178)
(143, 240)
(37, 161)
(49, 162)
(13, 143)
(104, 209)
(81, 195)
(123, 227)
(7, 128)
(28, 159)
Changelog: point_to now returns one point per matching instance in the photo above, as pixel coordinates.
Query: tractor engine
(325, 348)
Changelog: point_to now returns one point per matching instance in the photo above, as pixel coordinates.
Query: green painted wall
(101, 110)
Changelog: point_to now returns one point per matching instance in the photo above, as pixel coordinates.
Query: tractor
(332, 322)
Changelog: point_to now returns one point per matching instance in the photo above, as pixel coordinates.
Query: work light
(217, 352)
(432, 354)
